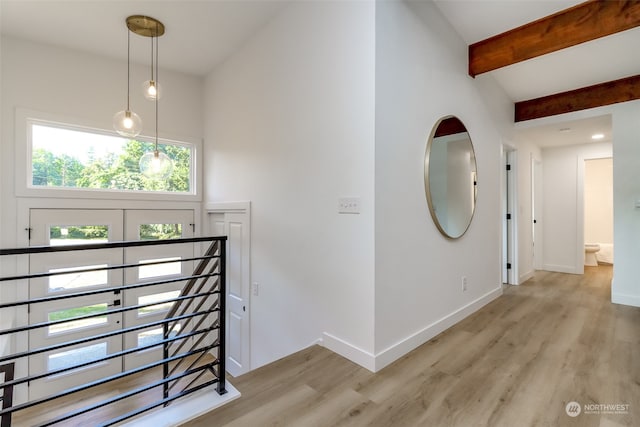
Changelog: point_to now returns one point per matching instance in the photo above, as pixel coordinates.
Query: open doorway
(598, 211)
(557, 150)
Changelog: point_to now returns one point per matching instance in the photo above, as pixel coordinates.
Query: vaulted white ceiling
(199, 34)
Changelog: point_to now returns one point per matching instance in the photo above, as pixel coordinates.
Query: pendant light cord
(157, 93)
(152, 59)
(128, 67)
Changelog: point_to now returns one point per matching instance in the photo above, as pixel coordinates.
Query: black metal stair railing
(193, 332)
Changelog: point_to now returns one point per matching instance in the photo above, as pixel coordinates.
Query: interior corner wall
(561, 181)
(290, 127)
(421, 77)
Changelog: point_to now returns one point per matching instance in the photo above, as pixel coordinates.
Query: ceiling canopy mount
(145, 26)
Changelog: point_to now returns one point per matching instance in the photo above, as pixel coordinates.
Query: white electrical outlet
(255, 289)
(464, 283)
(349, 205)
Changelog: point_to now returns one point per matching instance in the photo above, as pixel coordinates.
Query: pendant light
(155, 165)
(151, 88)
(126, 122)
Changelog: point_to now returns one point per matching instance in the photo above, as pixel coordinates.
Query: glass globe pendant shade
(156, 165)
(127, 123)
(151, 90)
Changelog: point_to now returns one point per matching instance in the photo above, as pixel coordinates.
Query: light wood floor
(517, 362)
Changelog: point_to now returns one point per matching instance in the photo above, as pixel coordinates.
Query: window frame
(25, 119)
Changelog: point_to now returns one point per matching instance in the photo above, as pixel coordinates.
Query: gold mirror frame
(450, 126)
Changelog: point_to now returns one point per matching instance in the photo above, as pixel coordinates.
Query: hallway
(517, 362)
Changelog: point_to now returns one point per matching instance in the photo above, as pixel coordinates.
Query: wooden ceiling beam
(622, 90)
(581, 23)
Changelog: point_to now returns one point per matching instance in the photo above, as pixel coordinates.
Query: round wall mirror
(450, 177)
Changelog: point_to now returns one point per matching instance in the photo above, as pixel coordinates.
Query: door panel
(64, 227)
(154, 225)
(236, 300)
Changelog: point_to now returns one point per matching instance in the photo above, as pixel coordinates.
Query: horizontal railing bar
(102, 381)
(158, 403)
(105, 313)
(117, 398)
(108, 357)
(116, 289)
(107, 268)
(102, 336)
(107, 245)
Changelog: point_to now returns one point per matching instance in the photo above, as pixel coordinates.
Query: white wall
(290, 126)
(563, 204)
(420, 77)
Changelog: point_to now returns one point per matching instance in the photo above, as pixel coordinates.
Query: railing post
(165, 356)
(223, 313)
(7, 394)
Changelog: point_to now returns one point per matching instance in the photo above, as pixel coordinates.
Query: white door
(64, 227)
(71, 226)
(154, 225)
(235, 224)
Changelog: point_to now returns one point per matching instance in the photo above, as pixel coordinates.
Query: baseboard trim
(394, 352)
(559, 268)
(384, 358)
(625, 299)
(349, 351)
(526, 276)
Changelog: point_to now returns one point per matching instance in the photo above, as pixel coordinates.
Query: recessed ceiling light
(597, 136)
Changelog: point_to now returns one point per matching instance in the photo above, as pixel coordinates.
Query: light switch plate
(349, 205)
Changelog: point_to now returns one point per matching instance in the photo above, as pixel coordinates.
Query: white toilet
(590, 250)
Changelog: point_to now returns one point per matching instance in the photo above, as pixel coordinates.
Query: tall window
(79, 158)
